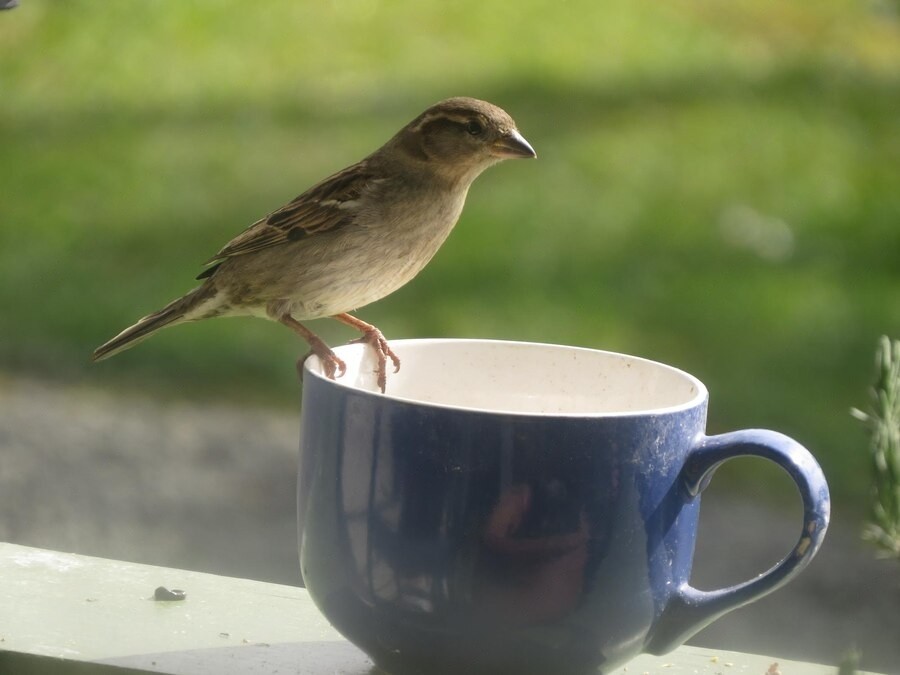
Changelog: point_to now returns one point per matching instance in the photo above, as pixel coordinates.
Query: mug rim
(699, 397)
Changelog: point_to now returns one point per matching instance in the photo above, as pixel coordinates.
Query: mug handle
(689, 609)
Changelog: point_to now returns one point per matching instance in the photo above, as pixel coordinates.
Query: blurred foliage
(716, 185)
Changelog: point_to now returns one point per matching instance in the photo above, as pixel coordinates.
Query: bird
(351, 239)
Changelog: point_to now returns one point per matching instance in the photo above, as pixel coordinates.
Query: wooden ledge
(73, 614)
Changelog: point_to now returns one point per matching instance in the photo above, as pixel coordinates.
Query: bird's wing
(325, 206)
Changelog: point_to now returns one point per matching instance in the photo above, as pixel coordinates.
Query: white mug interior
(520, 377)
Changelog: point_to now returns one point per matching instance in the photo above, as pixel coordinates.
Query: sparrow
(351, 239)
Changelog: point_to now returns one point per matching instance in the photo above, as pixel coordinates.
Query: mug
(511, 507)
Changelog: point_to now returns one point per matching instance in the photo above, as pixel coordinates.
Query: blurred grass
(717, 185)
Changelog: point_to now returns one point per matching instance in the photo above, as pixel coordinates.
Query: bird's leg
(373, 337)
(332, 365)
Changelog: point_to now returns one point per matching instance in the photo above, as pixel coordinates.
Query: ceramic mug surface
(518, 507)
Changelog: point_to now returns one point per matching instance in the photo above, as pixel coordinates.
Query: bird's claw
(331, 364)
(375, 339)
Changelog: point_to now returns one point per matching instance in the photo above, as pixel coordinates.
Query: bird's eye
(474, 128)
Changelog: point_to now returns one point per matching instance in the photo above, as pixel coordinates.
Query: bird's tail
(177, 311)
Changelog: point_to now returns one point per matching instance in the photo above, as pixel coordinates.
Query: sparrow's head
(463, 136)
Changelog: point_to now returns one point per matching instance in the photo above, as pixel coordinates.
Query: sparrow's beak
(511, 145)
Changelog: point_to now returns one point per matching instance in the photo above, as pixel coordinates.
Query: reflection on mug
(529, 578)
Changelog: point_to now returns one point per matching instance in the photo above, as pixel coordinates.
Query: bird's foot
(375, 339)
(331, 364)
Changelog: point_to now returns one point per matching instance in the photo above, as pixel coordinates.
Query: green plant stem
(883, 422)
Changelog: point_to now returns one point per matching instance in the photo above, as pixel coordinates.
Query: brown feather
(316, 210)
(173, 313)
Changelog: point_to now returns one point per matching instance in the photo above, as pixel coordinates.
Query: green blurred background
(718, 186)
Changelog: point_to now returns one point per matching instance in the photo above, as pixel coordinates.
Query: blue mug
(512, 507)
